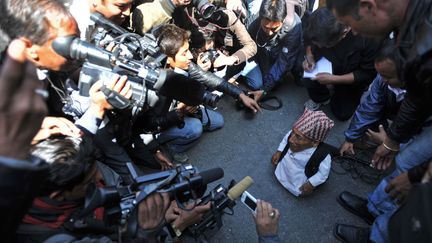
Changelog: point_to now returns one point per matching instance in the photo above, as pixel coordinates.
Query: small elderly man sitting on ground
(303, 160)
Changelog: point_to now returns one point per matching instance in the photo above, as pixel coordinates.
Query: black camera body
(212, 220)
(210, 55)
(183, 183)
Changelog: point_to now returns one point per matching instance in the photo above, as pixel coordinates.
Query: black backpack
(317, 157)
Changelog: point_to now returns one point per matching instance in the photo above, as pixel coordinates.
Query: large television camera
(108, 32)
(147, 80)
(222, 201)
(183, 183)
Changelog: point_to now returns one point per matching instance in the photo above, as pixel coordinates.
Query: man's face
(370, 21)
(270, 27)
(388, 72)
(299, 142)
(44, 56)
(182, 58)
(114, 10)
(333, 42)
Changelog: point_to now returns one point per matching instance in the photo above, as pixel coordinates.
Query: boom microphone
(197, 181)
(236, 191)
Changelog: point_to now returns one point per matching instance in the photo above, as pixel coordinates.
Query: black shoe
(356, 205)
(351, 234)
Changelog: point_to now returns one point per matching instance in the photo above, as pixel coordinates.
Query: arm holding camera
(211, 80)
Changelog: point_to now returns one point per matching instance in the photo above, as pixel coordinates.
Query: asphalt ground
(244, 147)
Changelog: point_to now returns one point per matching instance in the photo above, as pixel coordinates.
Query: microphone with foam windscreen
(237, 190)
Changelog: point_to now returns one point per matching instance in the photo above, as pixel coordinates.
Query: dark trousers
(344, 101)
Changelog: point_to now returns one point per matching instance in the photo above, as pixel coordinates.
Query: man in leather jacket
(410, 20)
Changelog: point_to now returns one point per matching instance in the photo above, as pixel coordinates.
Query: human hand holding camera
(99, 103)
(203, 62)
(266, 219)
(181, 219)
(22, 107)
(151, 211)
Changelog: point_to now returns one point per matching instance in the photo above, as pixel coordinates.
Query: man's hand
(325, 78)
(398, 188)
(187, 218)
(22, 107)
(306, 189)
(186, 109)
(377, 137)
(249, 103)
(276, 157)
(257, 94)
(99, 104)
(203, 64)
(346, 148)
(224, 60)
(151, 211)
(163, 160)
(266, 219)
(384, 156)
(56, 126)
(234, 5)
(309, 63)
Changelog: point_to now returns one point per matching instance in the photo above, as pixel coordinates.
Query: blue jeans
(182, 139)
(413, 153)
(254, 78)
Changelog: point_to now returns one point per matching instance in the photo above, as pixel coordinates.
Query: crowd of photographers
(105, 97)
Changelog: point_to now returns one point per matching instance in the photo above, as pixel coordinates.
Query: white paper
(322, 66)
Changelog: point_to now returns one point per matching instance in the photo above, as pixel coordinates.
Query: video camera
(108, 32)
(222, 202)
(147, 80)
(182, 183)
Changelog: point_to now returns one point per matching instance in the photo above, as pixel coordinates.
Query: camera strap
(262, 103)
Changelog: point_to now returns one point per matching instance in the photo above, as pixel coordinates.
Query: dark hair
(388, 51)
(28, 18)
(324, 28)
(344, 7)
(69, 158)
(273, 10)
(171, 38)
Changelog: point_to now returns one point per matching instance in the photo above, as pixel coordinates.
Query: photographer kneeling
(73, 166)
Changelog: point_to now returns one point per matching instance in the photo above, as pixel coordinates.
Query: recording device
(182, 183)
(147, 81)
(210, 55)
(108, 32)
(204, 8)
(222, 202)
(249, 200)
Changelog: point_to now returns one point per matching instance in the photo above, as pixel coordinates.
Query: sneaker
(311, 105)
(180, 157)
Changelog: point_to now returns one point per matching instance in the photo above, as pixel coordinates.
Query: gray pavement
(244, 147)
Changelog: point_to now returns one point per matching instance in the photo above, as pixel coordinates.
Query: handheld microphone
(237, 190)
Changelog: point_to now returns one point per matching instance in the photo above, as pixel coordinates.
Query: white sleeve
(284, 142)
(323, 172)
